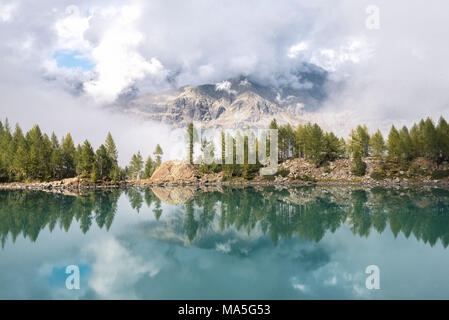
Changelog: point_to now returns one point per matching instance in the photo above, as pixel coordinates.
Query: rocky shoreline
(46, 187)
(299, 173)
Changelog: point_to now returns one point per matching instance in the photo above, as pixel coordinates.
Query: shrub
(359, 169)
(283, 172)
(440, 174)
(306, 178)
(378, 175)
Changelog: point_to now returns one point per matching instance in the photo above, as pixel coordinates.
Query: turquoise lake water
(310, 242)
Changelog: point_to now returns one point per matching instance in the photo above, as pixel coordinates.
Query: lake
(312, 242)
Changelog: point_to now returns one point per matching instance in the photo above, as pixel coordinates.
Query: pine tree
(87, 159)
(77, 159)
(68, 152)
(300, 141)
(443, 139)
(377, 144)
(417, 141)
(55, 157)
(190, 139)
(6, 152)
(314, 147)
(112, 153)
(359, 140)
(332, 148)
(431, 150)
(359, 168)
(36, 165)
(223, 148)
(135, 166)
(105, 163)
(158, 155)
(149, 165)
(46, 156)
(94, 174)
(393, 144)
(405, 146)
(20, 161)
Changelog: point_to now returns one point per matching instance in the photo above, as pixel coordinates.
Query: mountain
(237, 102)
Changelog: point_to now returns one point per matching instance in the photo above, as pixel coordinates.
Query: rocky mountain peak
(235, 102)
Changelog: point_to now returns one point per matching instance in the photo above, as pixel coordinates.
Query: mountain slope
(236, 102)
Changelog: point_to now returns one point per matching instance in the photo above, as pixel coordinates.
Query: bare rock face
(237, 102)
(175, 171)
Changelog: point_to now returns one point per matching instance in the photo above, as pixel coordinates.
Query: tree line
(35, 156)
(309, 141)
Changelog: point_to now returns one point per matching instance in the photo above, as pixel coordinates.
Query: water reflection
(307, 212)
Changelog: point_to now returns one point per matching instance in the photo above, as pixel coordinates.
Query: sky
(65, 63)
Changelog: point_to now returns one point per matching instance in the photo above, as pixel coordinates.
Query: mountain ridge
(236, 102)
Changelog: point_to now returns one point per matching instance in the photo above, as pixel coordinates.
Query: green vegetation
(310, 142)
(283, 172)
(35, 156)
(440, 174)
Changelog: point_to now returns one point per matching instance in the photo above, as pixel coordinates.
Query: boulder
(175, 171)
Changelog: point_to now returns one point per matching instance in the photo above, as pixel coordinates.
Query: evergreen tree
(405, 146)
(149, 166)
(135, 166)
(36, 165)
(393, 144)
(68, 169)
(20, 160)
(158, 155)
(223, 148)
(6, 152)
(112, 153)
(77, 159)
(359, 140)
(332, 148)
(377, 145)
(300, 141)
(443, 139)
(315, 144)
(94, 174)
(431, 149)
(359, 168)
(87, 159)
(105, 163)
(55, 157)
(190, 138)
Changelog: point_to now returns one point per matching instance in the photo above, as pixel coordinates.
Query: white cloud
(115, 269)
(70, 30)
(113, 48)
(296, 49)
(225, 86)
(7, 11)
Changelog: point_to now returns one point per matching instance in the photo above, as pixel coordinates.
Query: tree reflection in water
(307, 212)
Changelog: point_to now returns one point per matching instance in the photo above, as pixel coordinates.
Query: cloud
(7, 11)
(118, 64)
(117, 268)
(396, 74)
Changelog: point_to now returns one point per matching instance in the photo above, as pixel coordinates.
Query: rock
(175, 171)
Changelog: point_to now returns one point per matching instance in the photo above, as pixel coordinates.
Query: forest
(35, 156)
(394, 153)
